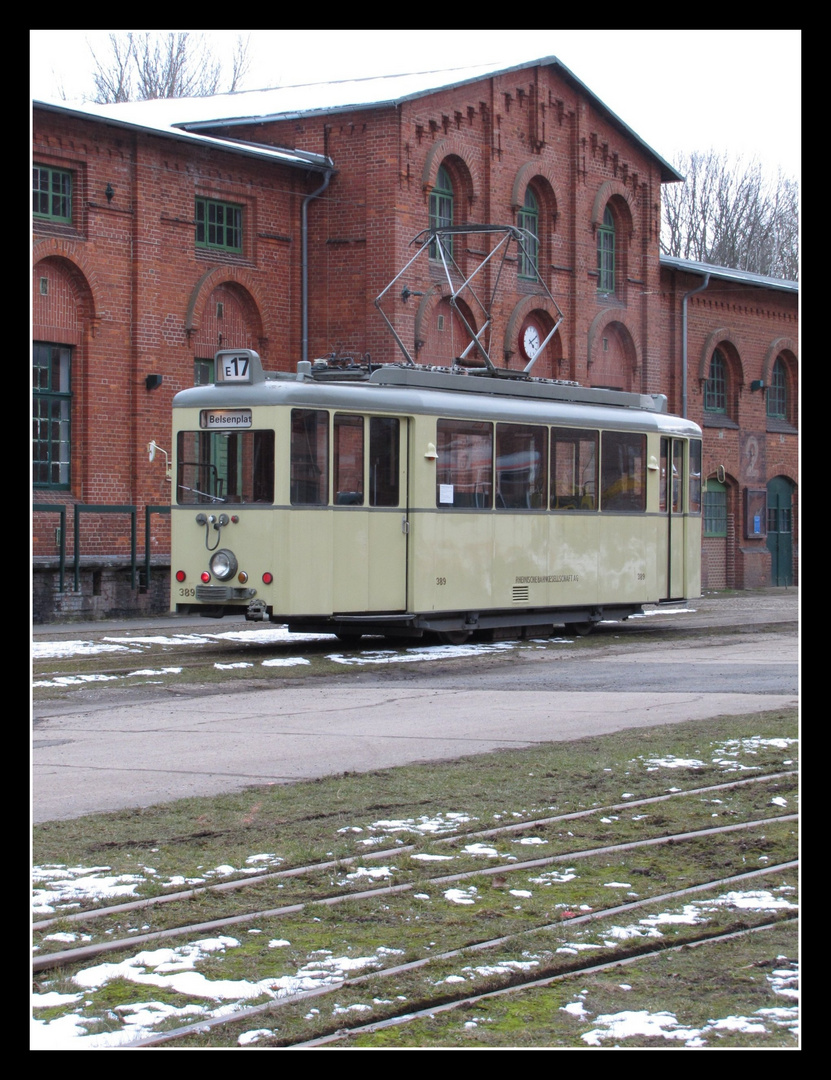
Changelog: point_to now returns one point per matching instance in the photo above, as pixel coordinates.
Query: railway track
(422, 979)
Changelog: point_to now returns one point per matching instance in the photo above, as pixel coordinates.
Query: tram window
(677, 476)
(383, 461)
(309, 457)
(695, 476)
(521, 467)
(349, 460)
(464, 473)
(623, 471)
(225, 467)
(573, 469)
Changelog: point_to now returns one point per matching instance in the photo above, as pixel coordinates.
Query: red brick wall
(132, 294)
(129, 290)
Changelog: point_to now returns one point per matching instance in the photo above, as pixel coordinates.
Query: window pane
(464, 468)
(383, 461)
(521, 467)
(715, 509)
(309, 457)
(349, 460)
(218, 225)
(695, 476)
(715, 389)
(606, 254)
(52, 193)
(777, 398)
(528, 219)
(623, 472)
(573, 469)
(51, 413)
(225, 467)
(441, 209)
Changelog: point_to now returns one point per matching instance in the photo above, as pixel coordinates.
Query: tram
(401, 500)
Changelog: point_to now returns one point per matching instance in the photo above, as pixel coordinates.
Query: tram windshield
(225, 467)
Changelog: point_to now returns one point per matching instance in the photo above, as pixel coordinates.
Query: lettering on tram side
(545, 578)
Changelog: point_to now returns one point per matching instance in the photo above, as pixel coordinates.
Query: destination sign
(233, 367)
(225, 419)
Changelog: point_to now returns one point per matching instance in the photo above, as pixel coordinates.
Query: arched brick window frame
(633, 350)
(248, 290)
(546, 314)
(69, 262)
(613, 200)
(541, 182)
(783, 350)
(464, 170)
(730, 354)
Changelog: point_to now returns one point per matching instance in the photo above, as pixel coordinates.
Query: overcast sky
(733, 90)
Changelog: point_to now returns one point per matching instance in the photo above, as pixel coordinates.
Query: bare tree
(138, 67)
(729, 213)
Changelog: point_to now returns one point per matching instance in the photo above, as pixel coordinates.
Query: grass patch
(432, 810)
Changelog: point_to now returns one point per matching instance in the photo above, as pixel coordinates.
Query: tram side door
(673, 486)
(370, 514)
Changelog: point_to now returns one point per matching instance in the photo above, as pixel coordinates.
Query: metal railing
(80, 509)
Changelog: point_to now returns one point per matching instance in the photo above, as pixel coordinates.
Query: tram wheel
(349, 639)
(452, 637)
(579, 629)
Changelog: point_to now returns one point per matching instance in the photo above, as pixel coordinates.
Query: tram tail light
(180, 575)
(267, 578)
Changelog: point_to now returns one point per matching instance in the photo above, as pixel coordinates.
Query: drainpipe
(304, 282)
(692, 292)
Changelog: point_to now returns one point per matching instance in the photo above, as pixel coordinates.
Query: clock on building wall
(530, 339)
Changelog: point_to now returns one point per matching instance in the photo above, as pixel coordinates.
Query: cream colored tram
(399, 500)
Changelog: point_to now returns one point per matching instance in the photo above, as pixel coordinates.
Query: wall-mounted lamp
(153, 382)
(109, 191)
(757, 384)
(407, 293)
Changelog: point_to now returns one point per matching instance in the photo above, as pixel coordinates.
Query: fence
(80, 510)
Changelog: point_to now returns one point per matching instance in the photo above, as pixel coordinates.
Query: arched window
(715, 389)
(777, 396)
(441, 206)
(606, 253)
(51, 411)
(529, 220)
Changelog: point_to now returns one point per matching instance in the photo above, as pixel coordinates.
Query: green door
(780, 530)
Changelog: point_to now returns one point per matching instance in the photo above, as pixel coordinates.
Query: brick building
(190, 228)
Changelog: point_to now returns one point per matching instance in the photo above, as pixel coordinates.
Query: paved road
(197, 741)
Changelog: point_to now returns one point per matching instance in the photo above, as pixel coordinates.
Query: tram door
(673, 486)
(370, 513)
(780, 530)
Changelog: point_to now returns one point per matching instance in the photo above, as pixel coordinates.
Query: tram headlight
(224, 564)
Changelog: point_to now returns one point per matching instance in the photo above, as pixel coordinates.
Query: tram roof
(405, 392)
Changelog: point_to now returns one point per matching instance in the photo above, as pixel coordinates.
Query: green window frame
(777, 395)
(204, 371)
(218, 225)
(441, 208)
(52, 194)
(715, 509)
(715, 389)
(51, 415)
(606, 253)
(529, 220)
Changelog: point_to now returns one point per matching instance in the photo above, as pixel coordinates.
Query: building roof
(726, 273)
(285, 102)
(296, 158)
